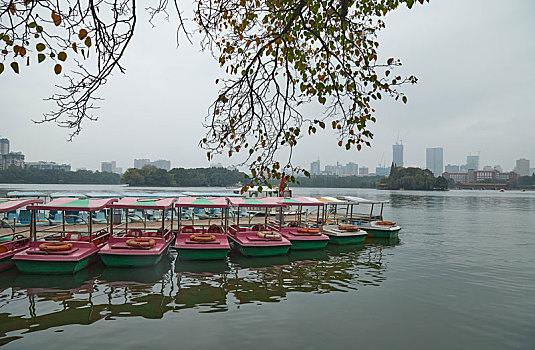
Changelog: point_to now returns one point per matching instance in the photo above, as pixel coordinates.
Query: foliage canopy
(277, 57)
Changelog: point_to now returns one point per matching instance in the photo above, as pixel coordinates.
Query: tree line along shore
(399, 178)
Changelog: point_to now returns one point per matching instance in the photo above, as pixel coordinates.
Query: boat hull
(202, 254)
(52, 267)
(299, 244)
(6, 263)
(345, 240)
(381, 233)
(263, 251)
(117, 253)
(118, 260)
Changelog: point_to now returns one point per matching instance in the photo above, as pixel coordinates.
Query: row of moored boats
(266, 226)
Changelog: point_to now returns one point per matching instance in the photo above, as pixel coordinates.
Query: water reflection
(35, 303)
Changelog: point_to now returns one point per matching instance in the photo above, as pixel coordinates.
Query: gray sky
(474, 60)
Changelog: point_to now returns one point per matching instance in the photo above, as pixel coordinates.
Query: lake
(460, 276)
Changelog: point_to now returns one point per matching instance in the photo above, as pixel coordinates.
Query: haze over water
(461, 276)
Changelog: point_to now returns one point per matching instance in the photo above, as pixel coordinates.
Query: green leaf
(41, 57)
(39, 29)
(404, 98)
(15, 67)
(62, 56)
(40, 47)
(32, 25)
(87, 41)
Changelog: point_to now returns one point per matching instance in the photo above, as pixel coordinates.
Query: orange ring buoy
(308, 230)
(55, 246)
(141, 242)
(199, 237)
(351, 228)
(268, 235)
(386, 223)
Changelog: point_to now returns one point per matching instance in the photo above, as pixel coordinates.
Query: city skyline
(456, 106)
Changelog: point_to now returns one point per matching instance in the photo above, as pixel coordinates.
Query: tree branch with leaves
(278, 57)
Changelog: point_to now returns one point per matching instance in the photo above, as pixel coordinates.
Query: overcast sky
(476, 93)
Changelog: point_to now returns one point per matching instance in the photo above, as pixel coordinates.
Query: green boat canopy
(143, 203)
(202, 202)
(266, 202)
(80, 204)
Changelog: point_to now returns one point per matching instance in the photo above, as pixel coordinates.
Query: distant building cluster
(9, 159)
(47, 166)
(161, 163)
(434, 161)
(473, 176)
(350, 169)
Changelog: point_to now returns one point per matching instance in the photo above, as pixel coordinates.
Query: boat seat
(215, 229)
(187, 229)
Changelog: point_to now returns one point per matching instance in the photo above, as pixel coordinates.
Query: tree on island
(414, 179)
(277, 56)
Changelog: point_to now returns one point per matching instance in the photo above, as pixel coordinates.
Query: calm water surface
(461, 276)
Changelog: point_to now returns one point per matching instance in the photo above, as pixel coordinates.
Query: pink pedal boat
(301, 233)
(62, 251)
(15, 242)
(135, 246)
(260, 239)
(205, 241)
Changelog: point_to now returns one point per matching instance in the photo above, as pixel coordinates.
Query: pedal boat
(138, 246)
(16, 241)
(303, 234)
(258, 240)
(206, 240)
(373, 224)
(61, 251)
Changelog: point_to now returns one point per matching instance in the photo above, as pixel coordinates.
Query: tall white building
(472, 162)
(163, 164)
(140, 163)
(108, 167)
(315, 168)
(397, 154)
(434, 160)
(522, 167)
(4, 146)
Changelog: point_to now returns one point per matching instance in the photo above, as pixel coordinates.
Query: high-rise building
(522, 167)
(12, 159)
(434, 160)
(397, 154)
(380, 171)
(531, 171)
(140, 163)
(164, 164)
(4, 146)
(451, 168)
(363, 170)
(47, 166)
(315, 168)
(351, 169)
(108, 167)
(472, 162)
